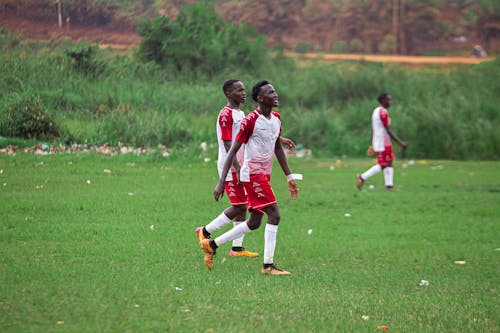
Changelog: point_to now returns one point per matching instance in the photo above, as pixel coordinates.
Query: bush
(388, 45)
(356, 45)
(199, 40)
(340, 47)
(302, 47)
(84, 59)
(28, 119)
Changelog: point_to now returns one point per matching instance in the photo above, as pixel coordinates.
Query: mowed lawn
(107, 244)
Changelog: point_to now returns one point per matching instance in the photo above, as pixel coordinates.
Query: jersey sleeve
(226, 124)
(277, 115)
(246, 128)
(384, 117)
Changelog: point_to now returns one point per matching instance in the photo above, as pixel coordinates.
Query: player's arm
(280, 155)
(395, 137)
(287, 142)
(219, 188)
(370, 150)
(227, 146)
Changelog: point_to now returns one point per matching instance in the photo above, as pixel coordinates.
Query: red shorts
(259, 192)
(235, 192)
(384, 158)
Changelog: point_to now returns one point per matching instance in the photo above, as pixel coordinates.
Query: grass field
(106, 244)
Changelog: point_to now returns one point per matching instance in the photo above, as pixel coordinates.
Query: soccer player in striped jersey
(381, 144)
(228, 125)
(260, 133)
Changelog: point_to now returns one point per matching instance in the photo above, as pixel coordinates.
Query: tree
(200, 40)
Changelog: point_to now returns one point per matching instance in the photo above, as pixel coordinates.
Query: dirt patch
(415, 60)
(44, 30)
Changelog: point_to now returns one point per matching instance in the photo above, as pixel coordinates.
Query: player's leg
(388, 169)
(237, 197)
(270, 236)
(360, 179)
(238, 250)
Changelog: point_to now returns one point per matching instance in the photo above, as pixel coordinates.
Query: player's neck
(266, 111)
(233, 104)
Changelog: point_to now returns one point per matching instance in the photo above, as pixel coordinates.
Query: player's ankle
(213, 245)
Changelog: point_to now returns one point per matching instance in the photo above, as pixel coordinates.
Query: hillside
(316, 25)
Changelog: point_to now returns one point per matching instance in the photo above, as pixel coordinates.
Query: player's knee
(274, 218)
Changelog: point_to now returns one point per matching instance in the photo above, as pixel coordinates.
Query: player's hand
(403, 145)
(370, 151)
(294, 190)
(287, 142)
(219, 191)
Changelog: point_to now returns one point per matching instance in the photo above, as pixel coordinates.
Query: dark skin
(386, 103)
(267, 99)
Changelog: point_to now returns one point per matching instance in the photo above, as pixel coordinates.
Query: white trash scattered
(424, 282)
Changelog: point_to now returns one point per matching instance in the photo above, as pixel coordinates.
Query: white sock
(388, 176)
(270, 243)
(371, 172)
(217, 223)
(234, 233)
(238, 242)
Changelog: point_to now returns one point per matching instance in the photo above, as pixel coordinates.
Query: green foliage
(28, 119)
(84, 59)
(325, 107)
(388, 45)
(199, 40)
(302, 47)
(340, 47)
(356, 45)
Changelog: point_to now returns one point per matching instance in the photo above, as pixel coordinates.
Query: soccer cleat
(208, 253)
(273, 270)
(201, 236)
(391, 188)
(359, 182)
(243, 253)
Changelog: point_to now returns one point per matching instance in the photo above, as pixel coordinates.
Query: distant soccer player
(228, 125)
(381, 144)
(260, 132)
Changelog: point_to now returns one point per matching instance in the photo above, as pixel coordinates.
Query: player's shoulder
(276, 114)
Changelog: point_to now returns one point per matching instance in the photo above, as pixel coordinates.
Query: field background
(93, 243)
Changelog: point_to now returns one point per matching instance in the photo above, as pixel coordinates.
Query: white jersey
(259, 134)
(228, 126)
(380, 138)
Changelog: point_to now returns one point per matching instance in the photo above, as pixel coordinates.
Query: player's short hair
(256, 89)
(382, 96)
(227, 85)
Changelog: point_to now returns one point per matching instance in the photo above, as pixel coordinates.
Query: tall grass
(440, 113)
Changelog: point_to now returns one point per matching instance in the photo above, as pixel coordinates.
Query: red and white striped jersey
(259, 134)
(228, 126)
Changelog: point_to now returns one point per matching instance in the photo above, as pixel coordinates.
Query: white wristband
(294, 176)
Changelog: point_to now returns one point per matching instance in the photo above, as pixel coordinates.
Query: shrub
(388, 45)
(84, 59)
(356, 45)
(28, 119)
(199, 40)
(302, 47)
(340, 47)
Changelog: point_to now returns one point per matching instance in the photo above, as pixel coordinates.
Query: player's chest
(267, 129)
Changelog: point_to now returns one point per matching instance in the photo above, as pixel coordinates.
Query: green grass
(79, 257)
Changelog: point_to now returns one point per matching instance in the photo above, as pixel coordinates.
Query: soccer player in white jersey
(260, 132)
(228, 125)
(381, 144)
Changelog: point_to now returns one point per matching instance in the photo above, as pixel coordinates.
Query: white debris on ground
(106, 149)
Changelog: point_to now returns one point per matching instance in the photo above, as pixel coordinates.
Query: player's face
(386, 102)
(238, 93)
(268, 96)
